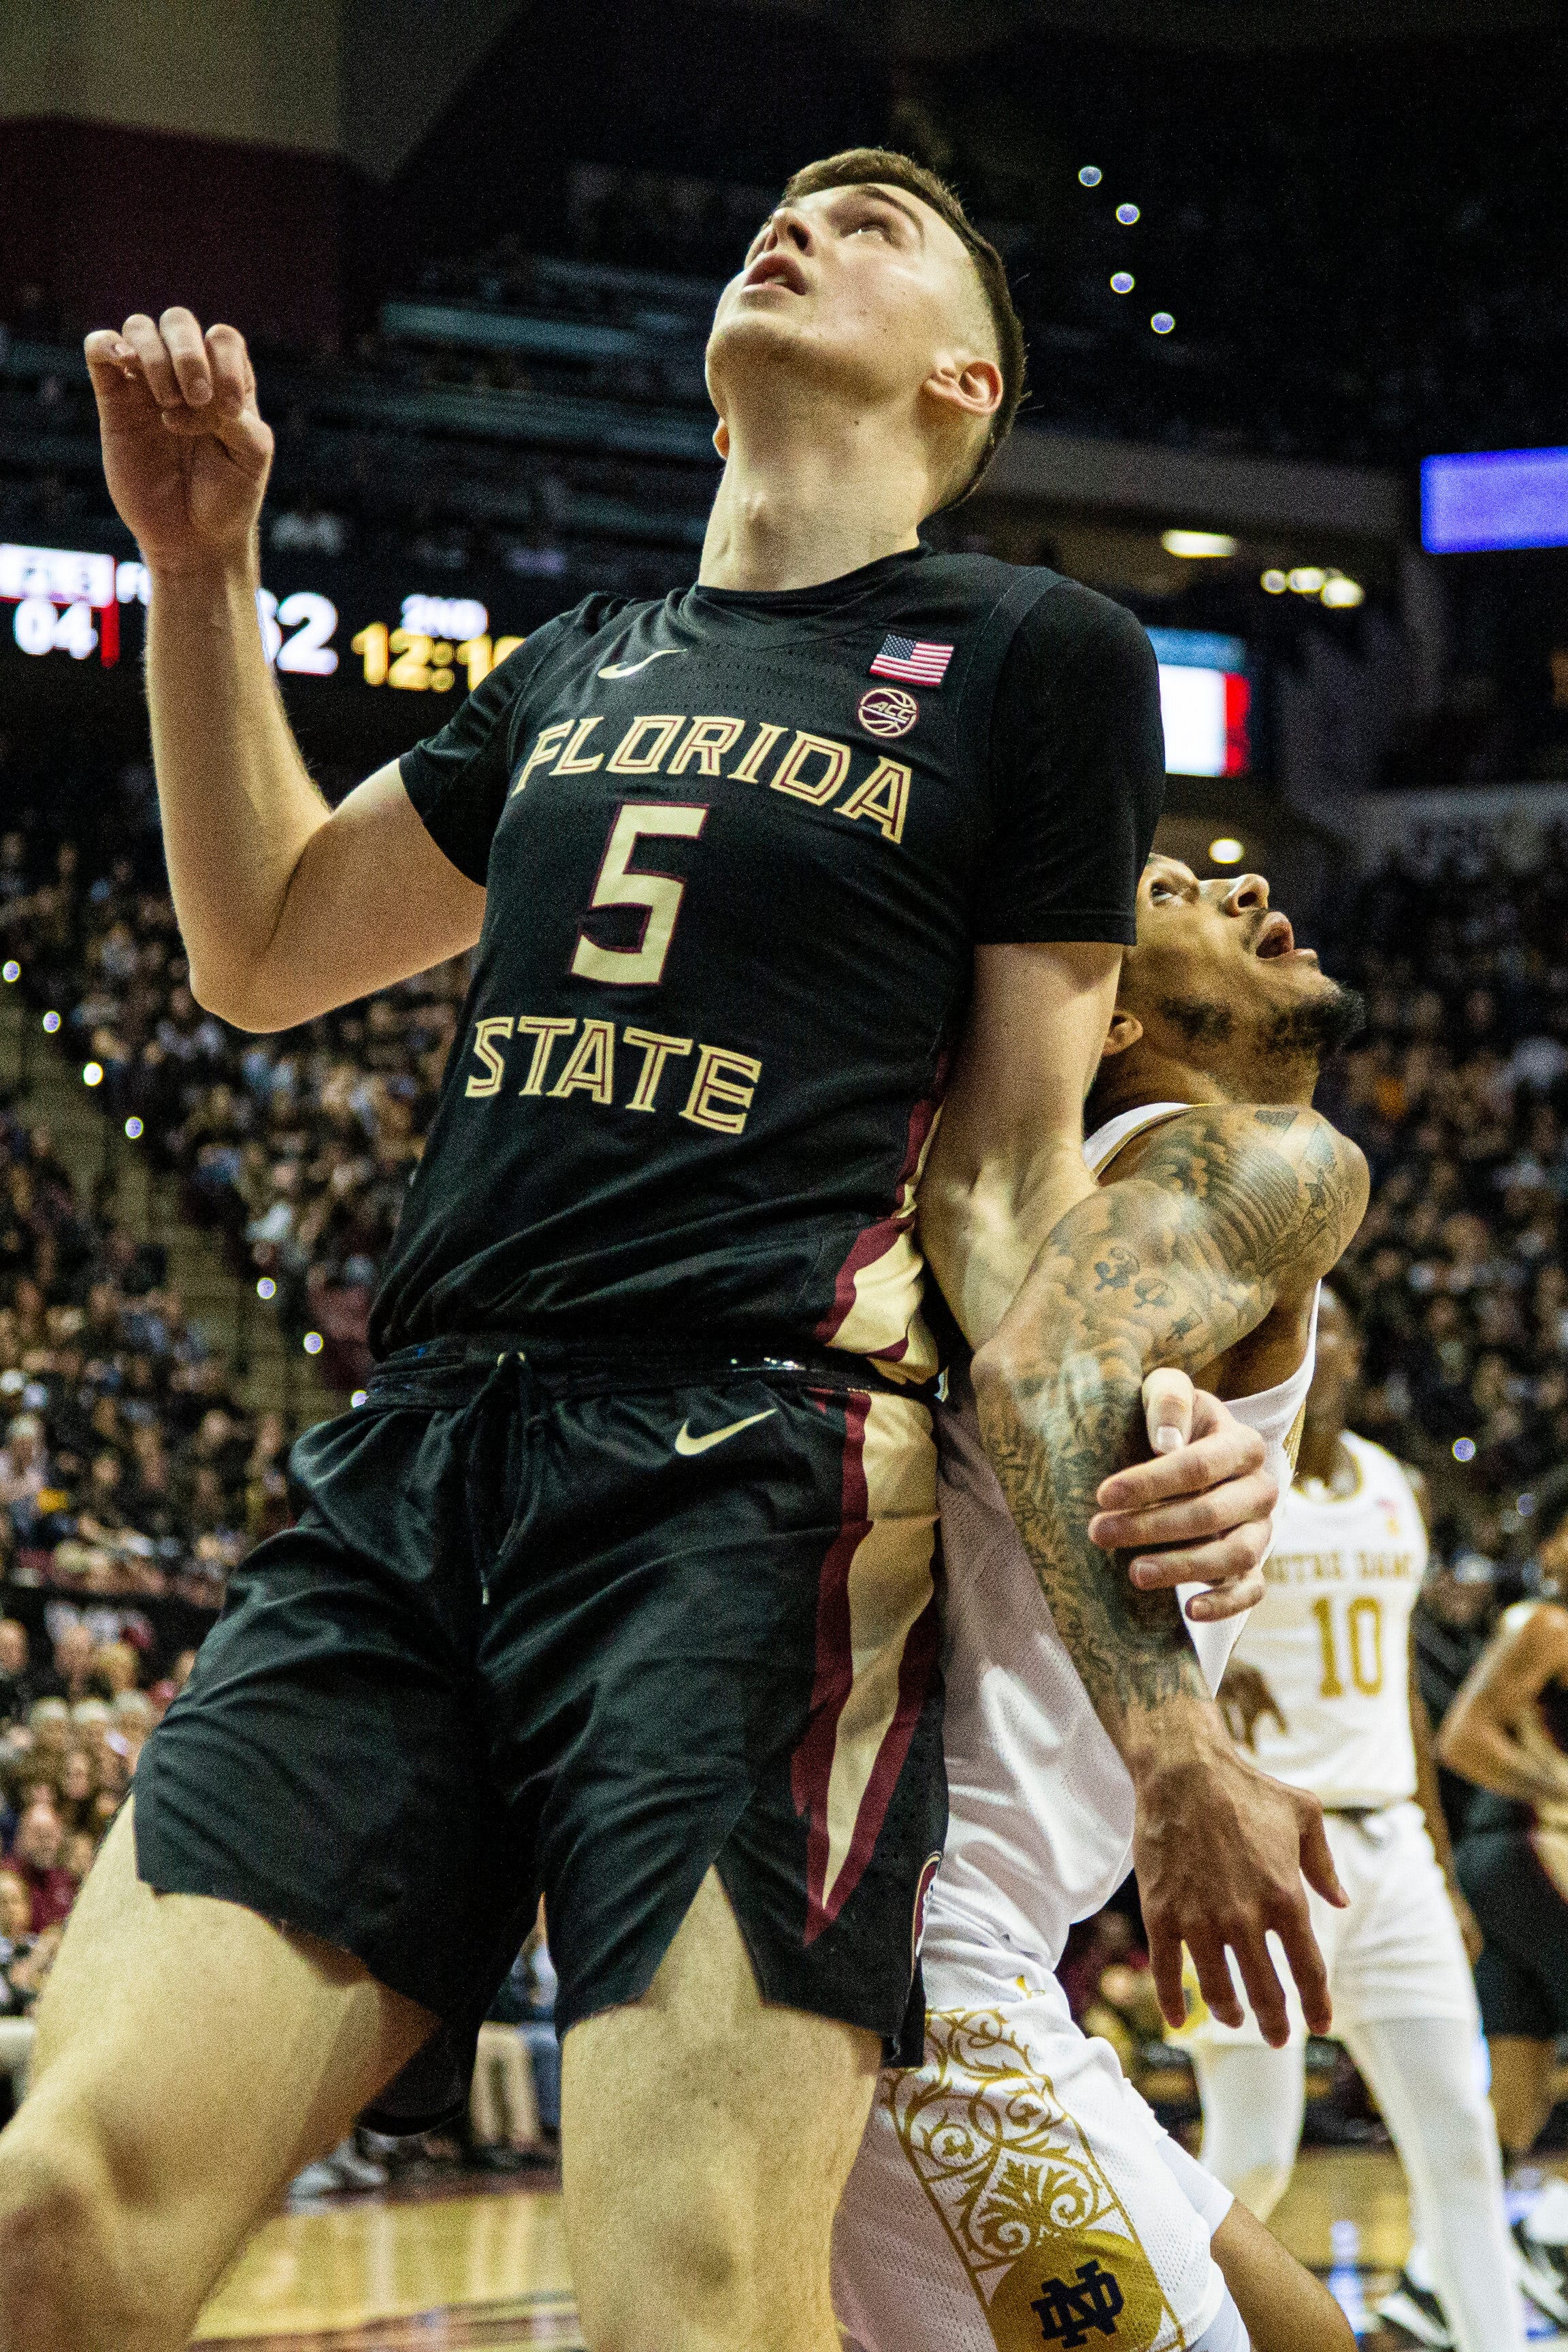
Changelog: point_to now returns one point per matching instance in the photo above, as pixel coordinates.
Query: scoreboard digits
(68, 599)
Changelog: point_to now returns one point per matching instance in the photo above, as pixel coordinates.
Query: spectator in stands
(74, 1651)
(18, 1989)
(35, 1858)
(24, 1471)
(76, 1788)
(18, 1688)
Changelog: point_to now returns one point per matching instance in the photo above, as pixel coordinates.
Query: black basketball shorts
(1521, 1976)
(582, 1623)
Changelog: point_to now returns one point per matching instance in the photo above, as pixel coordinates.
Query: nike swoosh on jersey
(686, 1444)
(630, 670)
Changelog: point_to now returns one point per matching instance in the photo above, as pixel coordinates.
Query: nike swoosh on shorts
(630, 670)
(686, 1444)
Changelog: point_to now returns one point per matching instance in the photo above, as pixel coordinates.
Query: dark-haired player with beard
(1013, 2190)
(622, 1582)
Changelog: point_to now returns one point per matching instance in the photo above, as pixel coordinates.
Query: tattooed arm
(1232, 1209)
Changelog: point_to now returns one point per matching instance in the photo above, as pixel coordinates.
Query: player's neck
(1160, 1078)
(810, 494)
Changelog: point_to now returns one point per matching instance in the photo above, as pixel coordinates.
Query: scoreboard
(83, 605)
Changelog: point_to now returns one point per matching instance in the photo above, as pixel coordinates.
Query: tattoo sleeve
(1172, 1265)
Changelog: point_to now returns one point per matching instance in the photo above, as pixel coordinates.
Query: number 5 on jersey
(619, 884)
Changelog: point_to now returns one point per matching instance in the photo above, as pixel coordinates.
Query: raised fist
(186, 452)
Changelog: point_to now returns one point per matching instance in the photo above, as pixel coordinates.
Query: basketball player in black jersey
(621, 1583)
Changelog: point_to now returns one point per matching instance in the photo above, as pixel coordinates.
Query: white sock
(1418, 2269)
(1422, 2073)
(1547, 2221)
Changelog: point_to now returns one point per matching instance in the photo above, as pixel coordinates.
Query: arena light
(1197, 543)
(1273, 582)
(1091, 176)
(1495, 498)
(1340, 594)
(1464, 1449)
(51, 1023)
(312, 1343)
(1307, 580)
(134, 1129)
(1226, 850)
(92, 1074)
(1127, 215)
(1123, 281)
(1162, 323)
(360, 1396)
(267, 1288)
(10, 972)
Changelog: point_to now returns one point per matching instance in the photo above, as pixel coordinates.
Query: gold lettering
(544, 1028)
(762, 743)
(569, 764)
(628, 759)
(707, 741)
(544, 750)
(714, 1086)
(811, 747)
(496, 1024)
(656, 1051)
(591, 1065)
(884, 797)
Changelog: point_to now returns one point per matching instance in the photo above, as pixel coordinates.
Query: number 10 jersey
(1331, 1637)
(739, 850)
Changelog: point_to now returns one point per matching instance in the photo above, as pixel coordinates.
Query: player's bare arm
(1006, 1165)
(1430, 1798)
(1480, 1739)
(287, 907)
(1232, 1207)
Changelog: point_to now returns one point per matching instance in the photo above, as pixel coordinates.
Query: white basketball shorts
(1396, 1953)
(1014, 2190)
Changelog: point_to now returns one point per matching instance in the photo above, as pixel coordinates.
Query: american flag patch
(916, 660)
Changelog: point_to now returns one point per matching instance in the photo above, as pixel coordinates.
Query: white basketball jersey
(1041, 1806)
(1331, 1637)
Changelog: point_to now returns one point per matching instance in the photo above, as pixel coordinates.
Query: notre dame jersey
(738, 849)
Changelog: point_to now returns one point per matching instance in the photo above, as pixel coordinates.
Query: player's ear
(1125, 1030)
(966, 385)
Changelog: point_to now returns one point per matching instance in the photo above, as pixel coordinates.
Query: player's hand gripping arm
(1479, 1738)
(286, 909)
(1173, 1266)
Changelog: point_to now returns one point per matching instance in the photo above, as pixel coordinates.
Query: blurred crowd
(128, 1469)
(297, 1148)
(74, 1716)
(1457, 1091)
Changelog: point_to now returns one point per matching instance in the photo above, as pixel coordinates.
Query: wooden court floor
(487, 2267)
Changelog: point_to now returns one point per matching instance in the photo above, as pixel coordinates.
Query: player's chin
(1292, 980)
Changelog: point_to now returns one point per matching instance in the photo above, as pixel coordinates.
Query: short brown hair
(857, 166)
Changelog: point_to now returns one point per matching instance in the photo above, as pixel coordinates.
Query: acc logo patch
(887, 710)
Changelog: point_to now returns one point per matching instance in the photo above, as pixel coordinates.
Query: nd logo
(1068, 2308)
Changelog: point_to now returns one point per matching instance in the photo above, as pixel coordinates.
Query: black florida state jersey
(738, 849)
